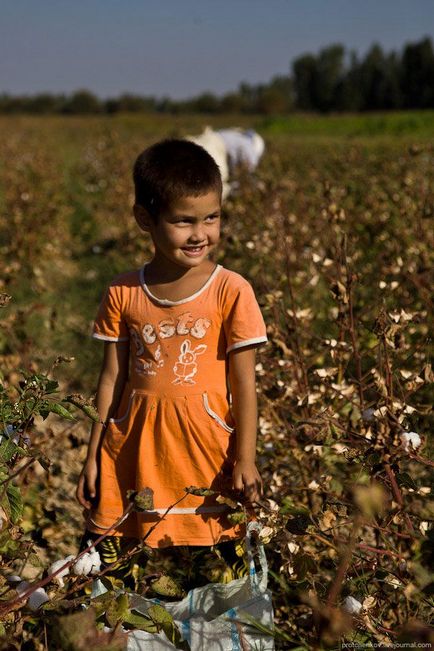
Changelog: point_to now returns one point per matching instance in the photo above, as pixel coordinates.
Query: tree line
(331, 80)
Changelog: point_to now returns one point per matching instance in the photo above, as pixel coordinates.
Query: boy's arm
(246, 477)
(112, 379)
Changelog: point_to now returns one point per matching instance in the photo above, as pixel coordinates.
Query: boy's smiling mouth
(193, 250)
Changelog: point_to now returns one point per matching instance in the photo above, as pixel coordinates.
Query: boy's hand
(246, 479)
(86, 489)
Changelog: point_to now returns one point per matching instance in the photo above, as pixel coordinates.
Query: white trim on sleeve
(247, 342)
(95, 335)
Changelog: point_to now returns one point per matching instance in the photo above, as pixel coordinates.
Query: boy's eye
(190, 220)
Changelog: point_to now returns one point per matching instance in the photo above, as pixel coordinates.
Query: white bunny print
(186, 367)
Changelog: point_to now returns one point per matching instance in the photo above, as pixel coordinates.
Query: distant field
(416, 124)
(65, 188)
(406, 123)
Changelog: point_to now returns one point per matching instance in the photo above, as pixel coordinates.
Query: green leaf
(85, 405)
(118, 609)
(60, 410)
(51, 386)
(8, 449)
(159, 614)
(166, 587)
(143, 500)
(8, 546)
(237, 517)
(111, 583)
(141, 622)
(162, 618)
(15, 503)
(200, 492)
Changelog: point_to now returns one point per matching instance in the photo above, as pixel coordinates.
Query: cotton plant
(36, 599)
(88, 564)
(351, 605)
(410, 441)
(65, 572)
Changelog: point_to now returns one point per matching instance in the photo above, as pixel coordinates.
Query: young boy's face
(187, 231)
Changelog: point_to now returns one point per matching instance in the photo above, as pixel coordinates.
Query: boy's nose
(198, 233)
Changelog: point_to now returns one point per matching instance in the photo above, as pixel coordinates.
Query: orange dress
(173, 427)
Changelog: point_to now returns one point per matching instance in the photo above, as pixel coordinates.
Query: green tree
(128, 103)
(304, 74)
(378, 77)
(276, 97)
(205, 103)
(82, 101)
(328, 73)
(349, 93)
(417, 74)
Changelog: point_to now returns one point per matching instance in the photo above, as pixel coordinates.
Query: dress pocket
(215, 416)
(126, 412)
(118, 428)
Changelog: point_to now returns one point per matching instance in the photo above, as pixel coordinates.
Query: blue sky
(183, 47)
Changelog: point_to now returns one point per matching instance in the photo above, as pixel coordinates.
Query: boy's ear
(143, 218)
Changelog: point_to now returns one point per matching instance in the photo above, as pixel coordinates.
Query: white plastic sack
(216, 617)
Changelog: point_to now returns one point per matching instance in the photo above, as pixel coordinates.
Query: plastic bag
(218, 617)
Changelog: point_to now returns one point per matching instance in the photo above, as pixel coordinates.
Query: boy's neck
(173, 282)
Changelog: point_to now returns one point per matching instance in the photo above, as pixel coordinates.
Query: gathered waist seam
(154, 394)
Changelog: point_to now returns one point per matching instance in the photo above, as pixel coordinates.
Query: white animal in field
(243, 147)
(230, 149)
(215, 146)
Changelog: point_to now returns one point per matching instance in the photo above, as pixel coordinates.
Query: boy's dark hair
(172, 169)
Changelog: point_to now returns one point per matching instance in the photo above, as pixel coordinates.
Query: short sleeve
(243, 323)
(109, 324)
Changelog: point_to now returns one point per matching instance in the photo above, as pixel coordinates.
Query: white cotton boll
(410, 440)
(352, 606)
(83, 566)
(56, 566)
(22, 587)
(37, 598)
(87, 564)
(96, 562)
